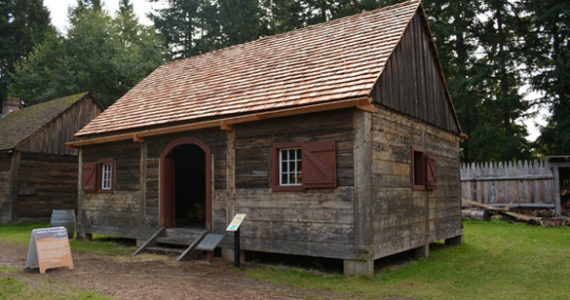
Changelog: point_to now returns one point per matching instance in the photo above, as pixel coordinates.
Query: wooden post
(236, 249)
(424, 250)
(14, 186)
(363, 181)
(556, 192)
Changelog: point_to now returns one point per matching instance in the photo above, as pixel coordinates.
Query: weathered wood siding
(411, 82)
(45, 182)
(399, 221)
(51, 138)
(132, 210)
(315, 222)
(5, 201)
(516, 184)
(117, 213)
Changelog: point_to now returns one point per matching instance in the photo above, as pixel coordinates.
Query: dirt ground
(149, 276)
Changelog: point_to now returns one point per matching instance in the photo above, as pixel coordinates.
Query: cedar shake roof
(21, 124)
(336, 60)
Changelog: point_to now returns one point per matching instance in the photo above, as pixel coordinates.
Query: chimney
(9, 105)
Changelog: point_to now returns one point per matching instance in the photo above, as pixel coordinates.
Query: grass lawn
(498, 261)
(20, 234)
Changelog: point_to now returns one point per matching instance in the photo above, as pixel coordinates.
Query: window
(421, 161)
(298, 166)
(106, 176)
(418, 169)
(98, 176)
(290, 166)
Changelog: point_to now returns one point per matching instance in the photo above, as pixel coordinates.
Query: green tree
(549, 60)
(180, 25)
(99, 54)
(239, 21)
(501, 69)
(83, 5)
(453, 24)
(285, 15)
(23, 25)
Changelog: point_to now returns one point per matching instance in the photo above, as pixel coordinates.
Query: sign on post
(234, 226)
(49, 248)
(236, 222)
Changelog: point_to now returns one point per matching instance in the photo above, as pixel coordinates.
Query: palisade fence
(515, 184)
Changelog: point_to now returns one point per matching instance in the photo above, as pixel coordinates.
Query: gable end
(412, 82)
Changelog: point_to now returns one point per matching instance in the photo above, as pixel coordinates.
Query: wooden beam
(107, 139)
(225, 126)
(363, 103)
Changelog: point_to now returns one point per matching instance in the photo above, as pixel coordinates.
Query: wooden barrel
(64, 217)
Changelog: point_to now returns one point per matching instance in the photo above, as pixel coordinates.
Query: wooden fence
(518, 184)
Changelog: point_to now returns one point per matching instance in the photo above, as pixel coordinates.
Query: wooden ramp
(173, 241)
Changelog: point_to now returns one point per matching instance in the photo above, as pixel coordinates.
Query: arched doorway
(185, 185)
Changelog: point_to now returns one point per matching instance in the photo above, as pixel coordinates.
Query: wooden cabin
(338, 140)
(38, 172)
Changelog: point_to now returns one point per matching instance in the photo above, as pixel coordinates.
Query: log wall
(399, 221)
(5, 180)
(45, 182)
(315, 222)
(51, 138)
(117, 213)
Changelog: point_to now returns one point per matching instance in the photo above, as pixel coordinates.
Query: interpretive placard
(210, 242)
(49, 248)
(236, 222)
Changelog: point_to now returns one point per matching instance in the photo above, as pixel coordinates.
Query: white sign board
(49, 248)
(236, 222)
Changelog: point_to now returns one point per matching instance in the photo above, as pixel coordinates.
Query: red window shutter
(89, 177)
(319, 165)
(432, 171)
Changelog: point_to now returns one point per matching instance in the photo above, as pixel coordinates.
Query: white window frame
(297, 158)
(106, 176)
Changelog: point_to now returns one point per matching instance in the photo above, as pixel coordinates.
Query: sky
(58, 11)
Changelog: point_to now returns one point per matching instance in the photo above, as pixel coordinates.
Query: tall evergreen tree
(99, 54)
(179, 24)
(83, 5)
(240, 21)
(285, 15)
(453, 25)
(23, 25)
(500, 68)
(549, 59)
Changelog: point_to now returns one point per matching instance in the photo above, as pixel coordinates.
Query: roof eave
(362, 103)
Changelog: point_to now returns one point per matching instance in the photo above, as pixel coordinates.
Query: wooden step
(186, 233)
(175, 240)
(165, 250)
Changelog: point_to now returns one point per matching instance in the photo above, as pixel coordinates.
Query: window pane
(292, 178)
(106, 176)
(289, 166)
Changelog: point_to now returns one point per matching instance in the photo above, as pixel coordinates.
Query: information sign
(49, 248)
(236, 222)
(210, 242)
